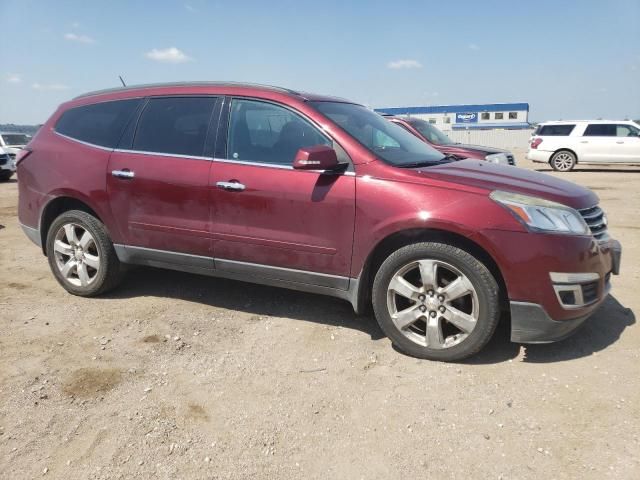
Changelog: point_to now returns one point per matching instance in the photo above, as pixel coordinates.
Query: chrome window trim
(281, 167)
(162, 154)
(106, 149)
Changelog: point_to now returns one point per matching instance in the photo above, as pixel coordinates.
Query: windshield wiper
(430, 163)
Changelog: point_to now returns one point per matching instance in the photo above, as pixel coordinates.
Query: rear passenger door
(158, 181)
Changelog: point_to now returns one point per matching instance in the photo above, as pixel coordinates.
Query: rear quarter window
(100, 123)
(555, 130)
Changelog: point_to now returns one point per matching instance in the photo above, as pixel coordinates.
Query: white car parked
(565, 144)
(10, 145)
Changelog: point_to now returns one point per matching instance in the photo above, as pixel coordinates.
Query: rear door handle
(235, 186)
(123, 173)
(620, 142)
(584, 141)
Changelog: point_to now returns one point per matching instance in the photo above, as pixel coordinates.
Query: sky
(568, 60)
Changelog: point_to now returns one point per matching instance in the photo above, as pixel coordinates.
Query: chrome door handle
(620, 142)
(235, 186)
(123, 173)
(584, 141)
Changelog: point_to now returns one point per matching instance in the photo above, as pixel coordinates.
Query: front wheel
(5, 175)
(81, 255)
(563, 161)
(436, 301)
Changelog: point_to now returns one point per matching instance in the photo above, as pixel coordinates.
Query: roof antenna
(123, 84)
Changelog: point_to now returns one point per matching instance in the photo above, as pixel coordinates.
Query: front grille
(511, 159)
(4, 159)
(589, 292)
(595, 218)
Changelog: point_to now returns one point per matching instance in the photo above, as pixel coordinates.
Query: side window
(626, 131)
(262, 132)
(174, 125)
(555, 130)
(99, 124)
(485, 116)
(499, 116)
(513, 115)
(600, 130)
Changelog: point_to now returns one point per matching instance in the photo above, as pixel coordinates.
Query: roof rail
(188, 84)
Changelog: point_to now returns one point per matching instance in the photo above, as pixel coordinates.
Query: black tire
(110, 271)
(563, 161)
(486, 289)
(5, 175)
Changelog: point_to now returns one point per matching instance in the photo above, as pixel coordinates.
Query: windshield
(430, 132)
(17, 139)
(391, 143)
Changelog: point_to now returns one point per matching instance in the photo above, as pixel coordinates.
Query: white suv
(10, 145)
(564, 144)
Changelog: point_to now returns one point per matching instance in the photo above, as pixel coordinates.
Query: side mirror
(318, 157)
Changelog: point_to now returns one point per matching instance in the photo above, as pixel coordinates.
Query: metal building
(511, 116)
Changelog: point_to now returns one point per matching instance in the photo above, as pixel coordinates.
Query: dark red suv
(313, 193)
(430, 134)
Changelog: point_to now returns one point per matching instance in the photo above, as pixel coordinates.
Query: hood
(491, 176)
(13, 149)
(463, 147)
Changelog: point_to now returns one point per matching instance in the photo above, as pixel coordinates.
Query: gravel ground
(181, 376)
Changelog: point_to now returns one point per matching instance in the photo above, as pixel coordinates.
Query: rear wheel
(5, 175)
(563, 161)
(436, 301)
(81, 255)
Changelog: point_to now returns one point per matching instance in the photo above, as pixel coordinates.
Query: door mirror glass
(318, 157)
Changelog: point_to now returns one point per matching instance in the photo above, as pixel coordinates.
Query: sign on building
(467, 117)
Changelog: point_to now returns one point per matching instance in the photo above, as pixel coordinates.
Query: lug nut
(421, 298)
(433, 313)
(430, 293)
(442, 309)
(423, 308)
(441, 298)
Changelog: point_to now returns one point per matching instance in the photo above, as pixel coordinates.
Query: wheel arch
(402, 238)
(57, 206)
(564, 149)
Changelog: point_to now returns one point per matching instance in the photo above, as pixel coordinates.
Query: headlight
(497, 158)
(540, 215)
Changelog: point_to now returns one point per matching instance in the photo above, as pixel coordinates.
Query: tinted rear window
(600, 130)
(555, 130)
(176, 125)
(99, 124)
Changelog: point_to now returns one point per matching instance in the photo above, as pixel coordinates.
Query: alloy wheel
(433, 304)
(563, 161)
(76, 255)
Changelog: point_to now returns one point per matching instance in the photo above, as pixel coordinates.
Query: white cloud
(397, 64)
(49, 86)
(73, 37)
(75, 25)
(473, 46)
(190, 8)
(14, 78)
(168, 55)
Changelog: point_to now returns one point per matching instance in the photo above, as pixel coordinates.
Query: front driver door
(269, 220)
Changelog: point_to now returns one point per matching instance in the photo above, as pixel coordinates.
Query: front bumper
(530, 322)
(8, 164)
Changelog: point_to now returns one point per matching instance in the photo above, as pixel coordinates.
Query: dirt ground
(180, 376)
